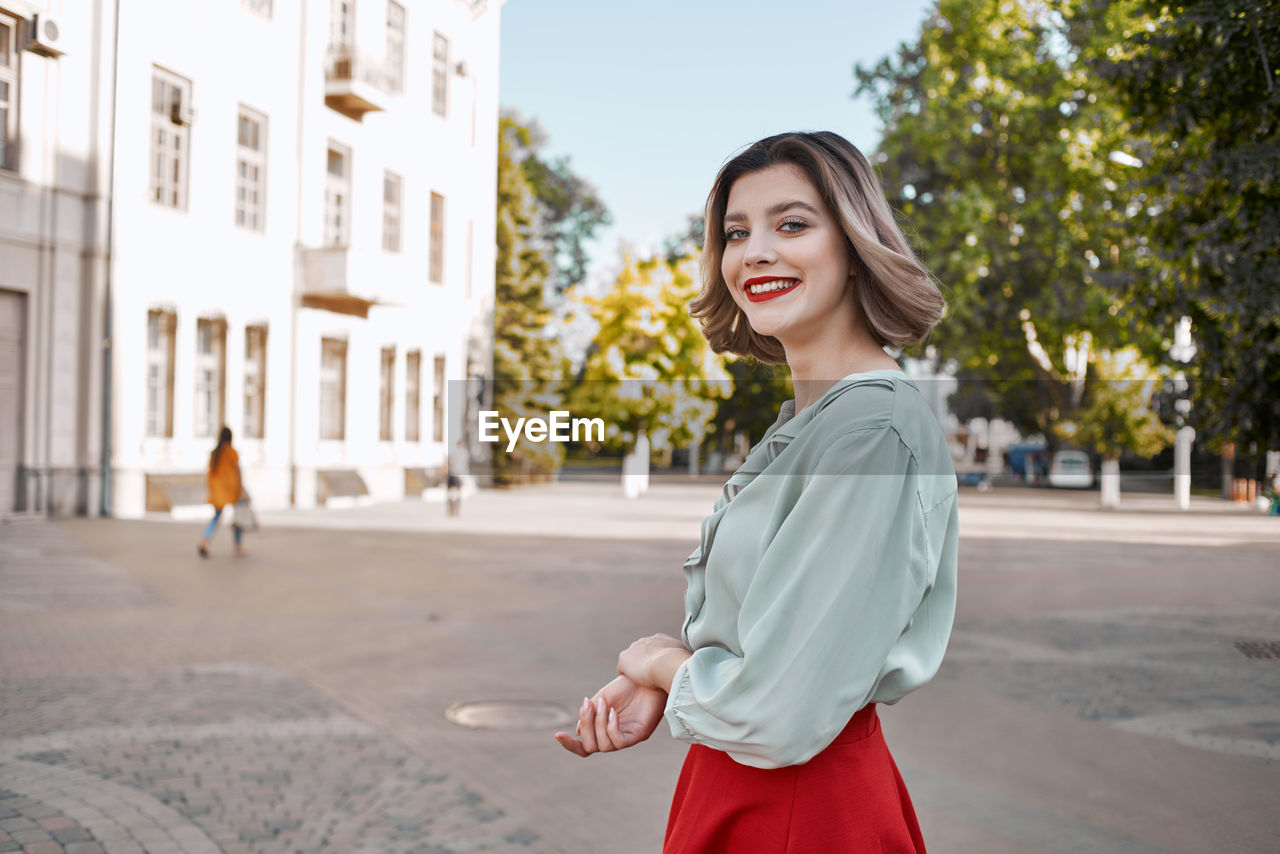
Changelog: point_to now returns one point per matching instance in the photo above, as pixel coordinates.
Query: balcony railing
(330, 277)
(354, 82)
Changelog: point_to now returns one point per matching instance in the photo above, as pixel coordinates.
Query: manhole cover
(1259, 649)
(509, 714)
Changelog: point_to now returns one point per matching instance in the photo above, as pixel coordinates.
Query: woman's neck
(817, 367)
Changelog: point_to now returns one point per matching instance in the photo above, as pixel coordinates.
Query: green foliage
(545, 215)
(649, 368)
(996, 148)
(527, 363)
(688, 241)
(1201, 80)
(758, 391)
(568, 210)
(1117, 415)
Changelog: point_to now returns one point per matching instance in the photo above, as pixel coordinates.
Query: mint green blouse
(826, 575)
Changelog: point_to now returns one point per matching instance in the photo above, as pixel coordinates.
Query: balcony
(329, 281)
(354, 83)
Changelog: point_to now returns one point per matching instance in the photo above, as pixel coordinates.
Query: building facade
(299, 242)
(54, 145)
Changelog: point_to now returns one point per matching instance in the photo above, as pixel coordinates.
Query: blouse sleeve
(835, 590)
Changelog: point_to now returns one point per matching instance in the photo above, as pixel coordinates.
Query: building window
(251, 170)
(161, 328)
(211, 371)
(437, 402)
(342, 24)
(387, 393)
(8, 92)
(440, 75)
(435, 261)
(255, 381)
(391, 186)
(171, 117)
(412, 395)
(333, 388)
(262, 7)
(395, 47)
(337, 196)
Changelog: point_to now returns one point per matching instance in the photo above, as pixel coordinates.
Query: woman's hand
(652, 662)
(621, 714)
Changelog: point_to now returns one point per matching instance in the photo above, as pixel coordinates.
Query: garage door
(13, 321)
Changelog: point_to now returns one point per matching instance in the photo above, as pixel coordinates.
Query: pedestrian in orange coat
(225, 487)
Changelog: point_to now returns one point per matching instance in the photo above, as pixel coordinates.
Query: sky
(649, 99)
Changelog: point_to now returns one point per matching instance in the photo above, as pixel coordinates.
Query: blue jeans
(213, 526)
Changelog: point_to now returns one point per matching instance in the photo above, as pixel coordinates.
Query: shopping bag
(245, 520)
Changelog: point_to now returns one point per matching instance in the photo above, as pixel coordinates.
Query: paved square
(1097, 694)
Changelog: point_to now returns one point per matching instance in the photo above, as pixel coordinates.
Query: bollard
(1182, 467)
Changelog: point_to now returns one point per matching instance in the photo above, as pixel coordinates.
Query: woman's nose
(759, 250)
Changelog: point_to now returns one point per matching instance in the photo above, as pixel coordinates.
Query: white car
(1071, 470)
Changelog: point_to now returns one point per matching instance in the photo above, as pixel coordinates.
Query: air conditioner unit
(181, 113)
(44, 36)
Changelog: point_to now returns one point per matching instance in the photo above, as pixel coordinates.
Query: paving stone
(57, 822)
(71, 834)
(127, 847)
(28, 837)
(42, 848)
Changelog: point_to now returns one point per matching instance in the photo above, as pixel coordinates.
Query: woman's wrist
(652, 662)
(662, 671)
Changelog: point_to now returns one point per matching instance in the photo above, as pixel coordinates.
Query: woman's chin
(764, 324)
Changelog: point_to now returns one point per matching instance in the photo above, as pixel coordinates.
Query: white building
(53, 226)
(301, 229)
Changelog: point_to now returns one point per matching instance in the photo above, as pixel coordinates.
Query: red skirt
(849, 799)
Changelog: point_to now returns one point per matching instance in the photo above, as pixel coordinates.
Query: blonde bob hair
(897, 296)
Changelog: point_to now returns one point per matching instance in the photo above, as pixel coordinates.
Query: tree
(997, 147)
(688, 241)
(752, 407)
(1117, 415)
(527, 364)
(545, 215)
(568, 211)
(1201, 82)
(648, 367)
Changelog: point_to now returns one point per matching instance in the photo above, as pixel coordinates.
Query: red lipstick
(785, 286)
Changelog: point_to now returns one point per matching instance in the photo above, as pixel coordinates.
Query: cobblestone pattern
(235, 759)
(42, 569)
(1117, 666)
(197, 694)
(27, 824)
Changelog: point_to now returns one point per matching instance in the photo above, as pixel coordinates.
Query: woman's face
(785, 259)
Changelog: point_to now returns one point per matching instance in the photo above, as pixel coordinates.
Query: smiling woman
(833, 190)
(831, 585)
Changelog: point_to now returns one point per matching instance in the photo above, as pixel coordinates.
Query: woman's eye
(734, 234)
(793, 225)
